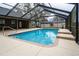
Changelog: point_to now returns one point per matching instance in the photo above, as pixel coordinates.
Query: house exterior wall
(14, 23)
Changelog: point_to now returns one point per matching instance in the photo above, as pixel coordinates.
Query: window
(2, 21)
(20, 24)
(13, 22)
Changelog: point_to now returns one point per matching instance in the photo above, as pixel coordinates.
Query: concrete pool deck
(12, 47)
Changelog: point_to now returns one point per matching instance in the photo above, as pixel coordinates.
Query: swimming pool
(41, 36)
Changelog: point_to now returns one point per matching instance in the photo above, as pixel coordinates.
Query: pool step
(66, 36)
(64, 31)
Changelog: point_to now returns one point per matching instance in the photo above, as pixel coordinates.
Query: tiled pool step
(66, 36)
(64, 31)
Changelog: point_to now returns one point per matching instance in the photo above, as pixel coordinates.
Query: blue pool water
(41, 36)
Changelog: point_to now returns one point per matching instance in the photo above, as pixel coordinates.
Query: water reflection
(51, 35)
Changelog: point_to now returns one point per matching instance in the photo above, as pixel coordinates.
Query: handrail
(7, 27)
(11, 28)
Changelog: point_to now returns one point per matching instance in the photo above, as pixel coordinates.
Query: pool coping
(32, 30)
(24, 31)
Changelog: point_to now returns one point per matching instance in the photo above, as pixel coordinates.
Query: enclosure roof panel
(27, 10)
